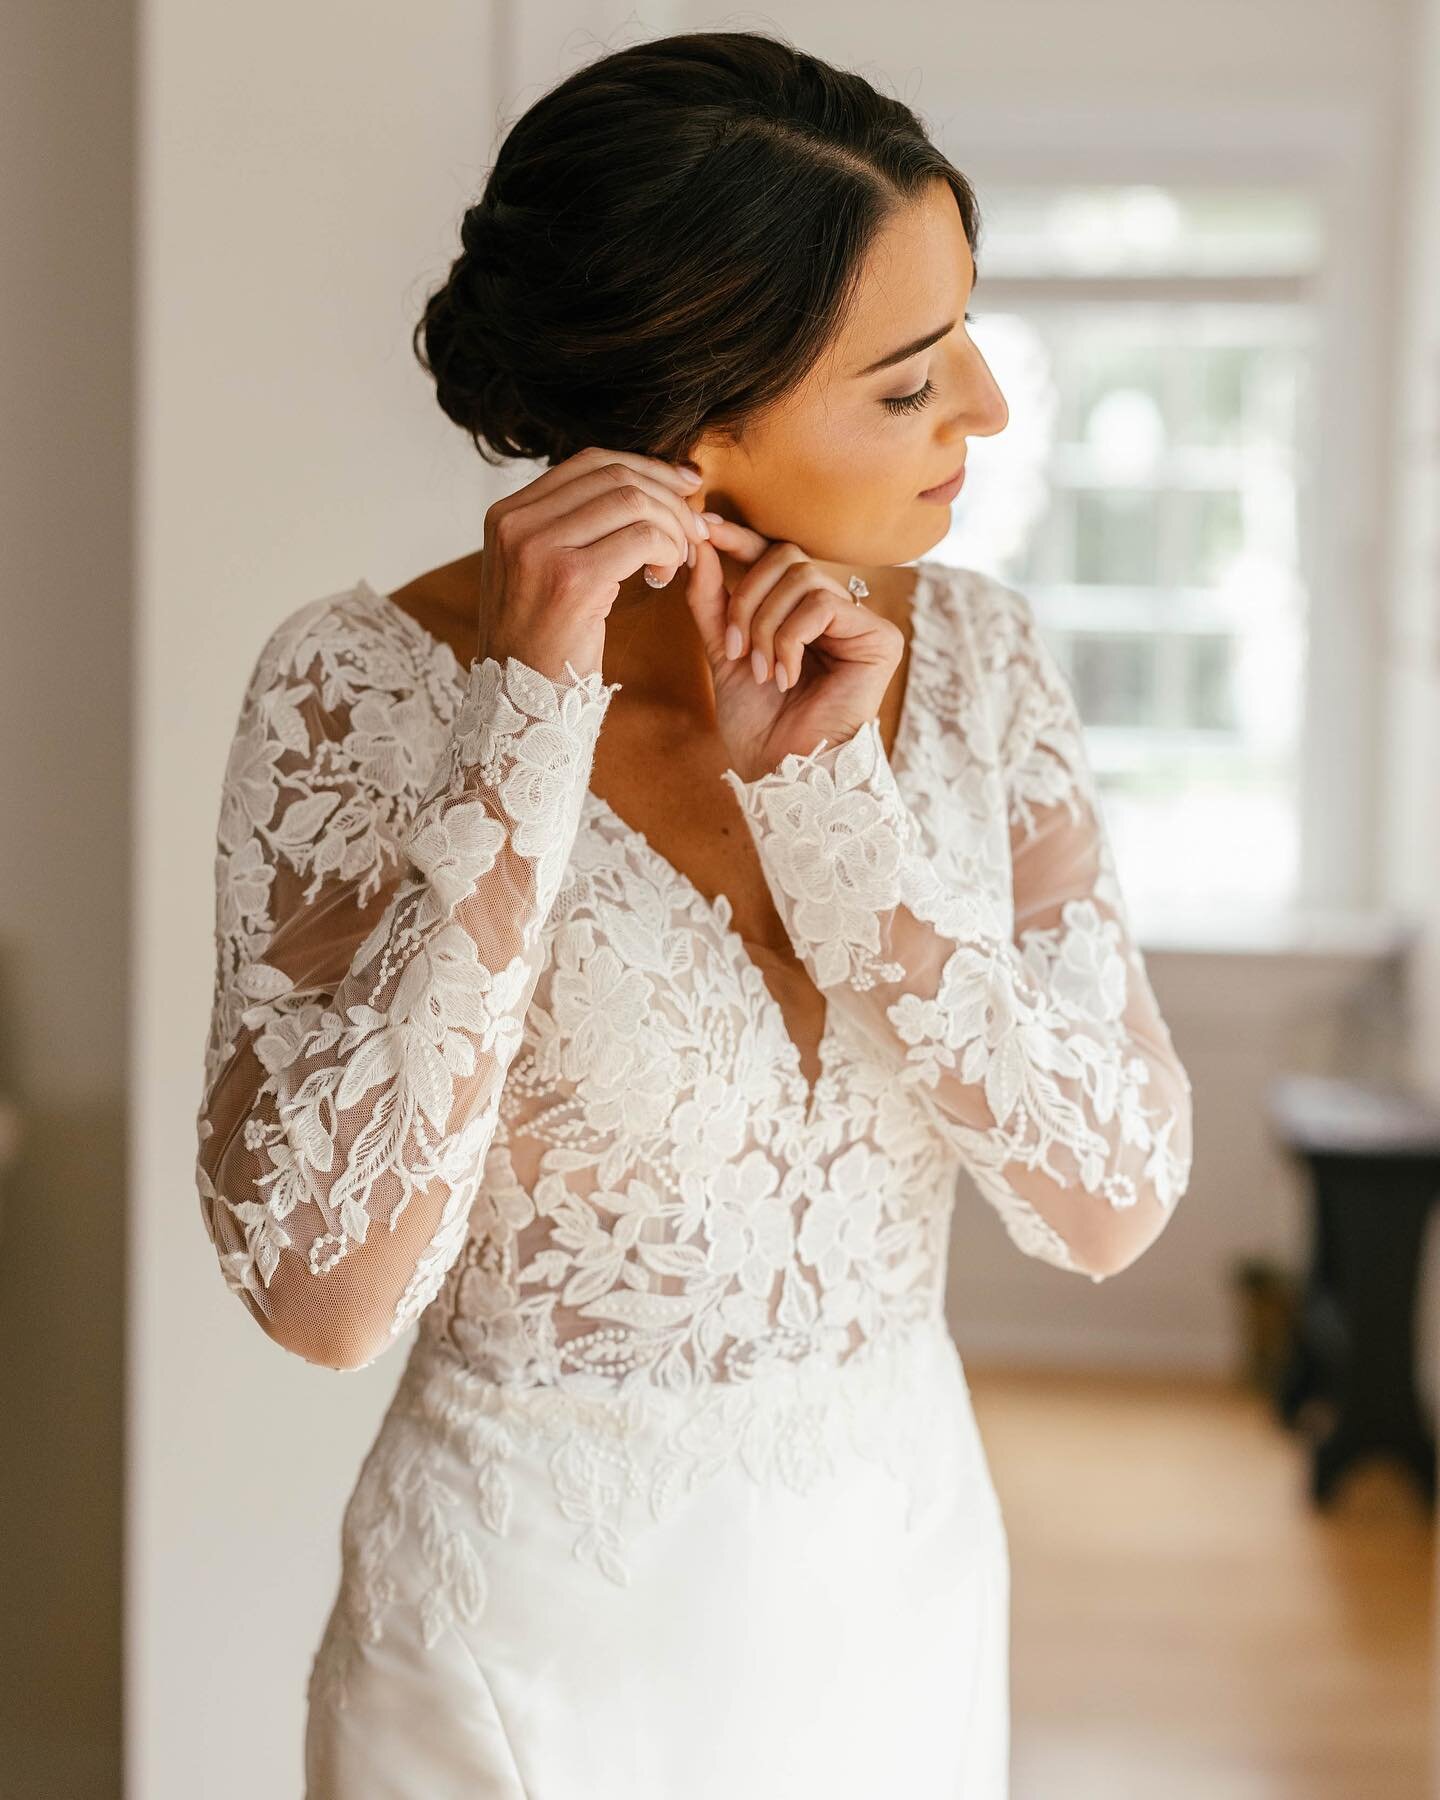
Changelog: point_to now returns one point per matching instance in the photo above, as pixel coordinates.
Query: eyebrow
(922, 343)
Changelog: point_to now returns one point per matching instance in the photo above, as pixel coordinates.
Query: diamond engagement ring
(858, 588)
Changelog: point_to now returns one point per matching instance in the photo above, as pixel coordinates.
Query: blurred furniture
(1372, 1154)
(1267, 1296)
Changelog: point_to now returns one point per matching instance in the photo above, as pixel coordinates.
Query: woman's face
(839, 464)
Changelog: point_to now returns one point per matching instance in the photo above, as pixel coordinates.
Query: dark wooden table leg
(1371, 1220)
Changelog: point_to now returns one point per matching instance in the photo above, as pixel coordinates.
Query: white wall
(304, 171)
(303, 174)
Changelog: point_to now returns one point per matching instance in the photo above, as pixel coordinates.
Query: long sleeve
(373, 972)
(1031, 1029)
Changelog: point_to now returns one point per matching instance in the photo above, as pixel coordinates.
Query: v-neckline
(718, 911)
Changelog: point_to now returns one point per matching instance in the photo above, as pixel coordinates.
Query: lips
(949, 481)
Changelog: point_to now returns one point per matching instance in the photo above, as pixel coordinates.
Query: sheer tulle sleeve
(1030, 1029)
(373, 974)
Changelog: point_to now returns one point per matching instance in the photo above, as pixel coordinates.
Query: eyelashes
(912, 402)
(907, 403)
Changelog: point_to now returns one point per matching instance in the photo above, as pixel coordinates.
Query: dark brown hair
(665, 244)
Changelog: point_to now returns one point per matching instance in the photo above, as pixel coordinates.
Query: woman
(638, 1065)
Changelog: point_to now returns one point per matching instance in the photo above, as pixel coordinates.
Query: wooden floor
(1184, 1626)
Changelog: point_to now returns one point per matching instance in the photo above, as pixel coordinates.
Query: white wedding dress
(680, 1495)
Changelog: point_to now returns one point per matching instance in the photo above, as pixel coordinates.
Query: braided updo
(665, 244)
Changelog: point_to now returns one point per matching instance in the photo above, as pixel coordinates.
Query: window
(1155, 348)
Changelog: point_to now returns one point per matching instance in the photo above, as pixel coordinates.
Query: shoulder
(344, 715)
(349, 679)
(1037, 732)
(997, 628)
(995, 621)
(339, 646)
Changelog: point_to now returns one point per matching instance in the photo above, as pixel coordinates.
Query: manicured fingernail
(689, 556)
(734, 643)
(701, 526)
(782, 680)
(689, 471)
(713, 517)
(757, 663)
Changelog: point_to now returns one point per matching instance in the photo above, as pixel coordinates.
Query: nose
(983, 410)
(993, 409)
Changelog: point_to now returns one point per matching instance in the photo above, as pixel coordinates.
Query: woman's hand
(802, 661)
(557, 550)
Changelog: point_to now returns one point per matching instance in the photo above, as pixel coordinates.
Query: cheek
(862, 476)
(851, 478)
(808, 470)
(862, 456)
(832, 473)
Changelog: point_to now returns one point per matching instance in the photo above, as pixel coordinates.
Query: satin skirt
(544, 1599)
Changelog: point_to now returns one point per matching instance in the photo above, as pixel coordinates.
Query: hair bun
(471, 344)
(480, 235)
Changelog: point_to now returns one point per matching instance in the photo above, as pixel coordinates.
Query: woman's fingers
(645, 487)
(736, 540)
(709, 602)
(776, 563)
(809, 619)
(761, 599)
(801, 607)
(780, 604)
(637, 513)
(767, 595)
(746, 546)
(585, 462)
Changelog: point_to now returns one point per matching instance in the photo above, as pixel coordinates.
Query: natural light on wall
(1148, 495)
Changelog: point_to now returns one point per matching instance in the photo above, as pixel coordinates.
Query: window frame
(1334, 154)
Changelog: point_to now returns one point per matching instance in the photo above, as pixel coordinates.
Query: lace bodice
(478, 1055)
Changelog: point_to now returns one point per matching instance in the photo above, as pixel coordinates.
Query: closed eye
(905, 403)
(912, 402)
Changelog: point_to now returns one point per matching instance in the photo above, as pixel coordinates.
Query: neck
(653, 647)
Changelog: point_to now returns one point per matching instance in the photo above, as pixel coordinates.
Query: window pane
(1117, 537)
(1218, 378)
(1114, 679)
(1210, 532)
(1210, 694)
(1234, 393)
(1120, 370)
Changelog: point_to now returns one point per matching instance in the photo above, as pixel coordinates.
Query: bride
(627, 934)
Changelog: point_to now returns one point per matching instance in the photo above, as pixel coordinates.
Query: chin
(932, 527)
